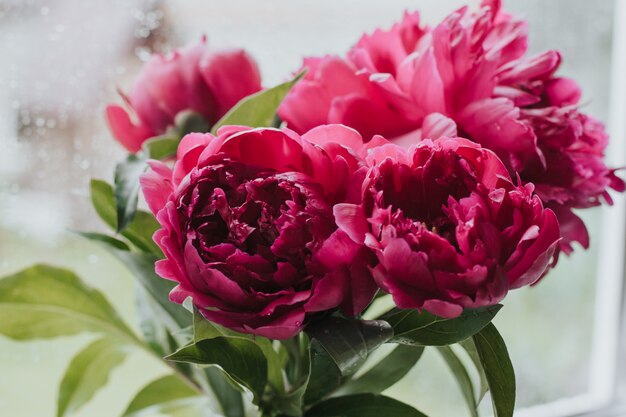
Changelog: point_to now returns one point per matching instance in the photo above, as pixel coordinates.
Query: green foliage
(240, 358)
(163, 394)
(126, 182)
(188, 121)
(105, 239)
(498, 369)
(412, 327)
(45, 302)
(161, 147)
(462, 376)
(258, 110)
(362, 405)
(139, 232)
(386, 373)
(87, 373)
(173, 315)
(349, 342)
(470, 347)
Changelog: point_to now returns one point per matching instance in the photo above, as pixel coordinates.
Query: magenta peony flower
(467, 76)
(248, 230)
(193, 78)
(449, 227)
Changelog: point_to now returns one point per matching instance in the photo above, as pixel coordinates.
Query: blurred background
(61, 61)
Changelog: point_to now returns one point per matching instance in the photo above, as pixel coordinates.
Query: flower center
(243, 218)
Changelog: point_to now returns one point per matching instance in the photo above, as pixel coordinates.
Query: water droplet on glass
(143, 53)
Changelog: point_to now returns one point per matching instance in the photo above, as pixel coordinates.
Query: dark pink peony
(467, 76)
(449, 227)
(193, 78)
(248, 229)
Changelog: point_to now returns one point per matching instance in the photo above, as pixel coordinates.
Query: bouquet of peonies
(390, 196)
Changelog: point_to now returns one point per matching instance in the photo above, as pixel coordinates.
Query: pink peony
(248, 230)
(193, 78)
(448, 226)
(467, 76)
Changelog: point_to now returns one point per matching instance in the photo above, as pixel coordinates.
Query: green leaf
(461, 376)
(227, 395)
(362, 405)
(155, 332)
(411, 327)
(240, 358)
(127, 175)
(324, 376)
(274, 366)
(203, 329)
(188, 121)
(387, 372)
(143, 226)
(44, 302)
(106, 239)
(498, 370)
(349, 342)
(470, 348)
(258, 110)
(87, 373)
(165, 391)
(142, 266)
(161, 147)
(320, 377)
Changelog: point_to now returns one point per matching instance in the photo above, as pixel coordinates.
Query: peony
(193, 78)
(448, 226)
(248, 230)
(469, 74)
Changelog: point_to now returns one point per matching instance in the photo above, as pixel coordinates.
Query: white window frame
(607, 372)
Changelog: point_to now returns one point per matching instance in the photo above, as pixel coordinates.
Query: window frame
(606, 374)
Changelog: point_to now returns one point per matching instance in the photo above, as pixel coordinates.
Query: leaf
(349, 342)
(321, 377)
(498, 370)
(142, 266)
(203, 329)
(106, 239)
(87, 373)
(461, 376)
(388, 371)
(258, 110)
(470, 348)
(167, 390)
(44, 302)
(362, 405)
(188, 121)
(274, 366)
(161, 147)
(127, 175)
(227, 395)
(424, 329)
(139, 232)
(155, 333)
(186, 407)
(324, 376)
(240, 358)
